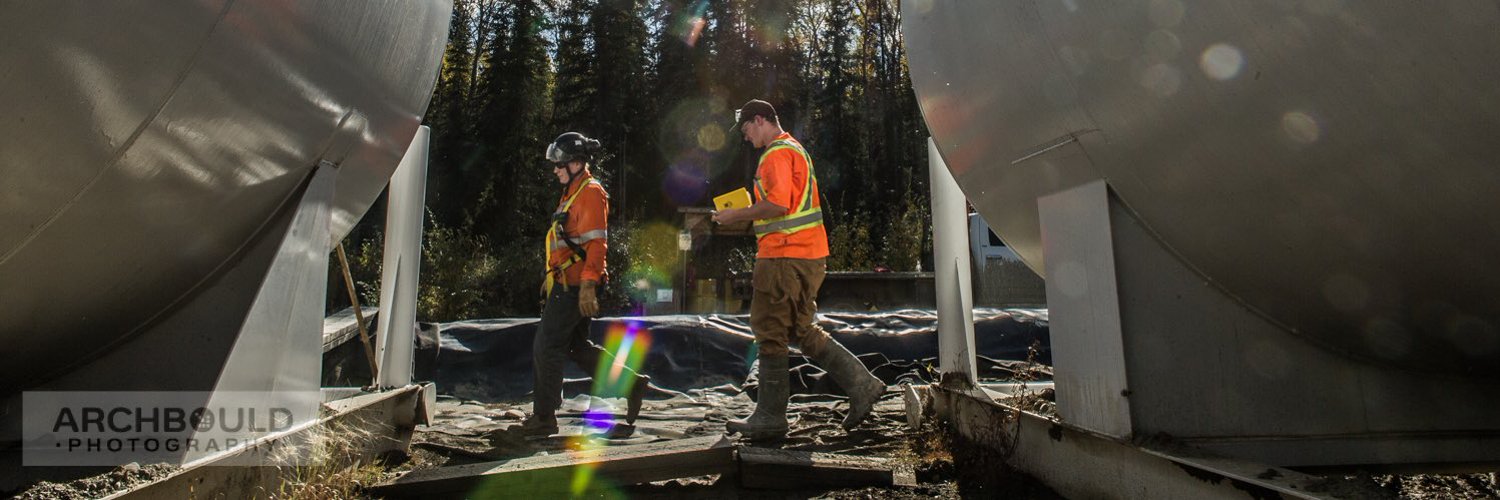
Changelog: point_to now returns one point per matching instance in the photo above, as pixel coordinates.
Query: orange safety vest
(805, 215)
(798, 233)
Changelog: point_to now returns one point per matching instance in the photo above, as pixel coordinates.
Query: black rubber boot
(769, 419)
(538, 425)
(637, 397)
(863, 387)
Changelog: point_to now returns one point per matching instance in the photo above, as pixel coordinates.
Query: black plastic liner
(490, 360)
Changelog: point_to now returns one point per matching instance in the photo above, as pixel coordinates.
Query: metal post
(950, 248)
(1083, 295)
(403, 254)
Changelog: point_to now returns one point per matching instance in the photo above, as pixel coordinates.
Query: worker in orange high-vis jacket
(576, 242)
(789, 267)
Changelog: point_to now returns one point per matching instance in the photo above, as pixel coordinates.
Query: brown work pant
(784, 307)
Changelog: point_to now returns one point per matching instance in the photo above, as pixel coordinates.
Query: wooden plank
(786, 469)
(342, 326)
(373, 418)
(565, 471)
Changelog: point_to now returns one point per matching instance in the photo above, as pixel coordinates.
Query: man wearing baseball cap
(790, 263)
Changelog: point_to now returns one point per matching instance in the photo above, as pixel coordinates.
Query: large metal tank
(143, 145)
(1330, 164)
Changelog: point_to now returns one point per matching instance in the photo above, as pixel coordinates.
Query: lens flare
(1301, 127)
(597, 420)
(685, 183)
(583, 448)
(1163, 79)
(1221, 61)
(626, 343)
(684, 131)
(582, 476)
(581, 480)
(655, 246)
(646, 279)
(711, 137)
(695, 31)
(690, 27)
(619, 364)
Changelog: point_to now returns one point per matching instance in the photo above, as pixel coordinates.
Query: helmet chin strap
(571, 174)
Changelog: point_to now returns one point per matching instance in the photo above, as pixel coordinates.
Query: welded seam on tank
(1069, 138)
(192, 62)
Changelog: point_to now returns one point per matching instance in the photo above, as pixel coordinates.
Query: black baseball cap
(752, 109)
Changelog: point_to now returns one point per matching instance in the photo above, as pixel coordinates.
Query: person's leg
(598, 363)
(548, 352)
(582, 352)
(864, 388)
(771, 321)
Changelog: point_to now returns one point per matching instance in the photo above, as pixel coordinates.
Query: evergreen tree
(835, 128)
(780, 59)
(510, 126)
(616, 106)
(724, 39)
(682, 104)
(448, 116)
(575, 60)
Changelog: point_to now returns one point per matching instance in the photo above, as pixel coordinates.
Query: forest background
(657, 81)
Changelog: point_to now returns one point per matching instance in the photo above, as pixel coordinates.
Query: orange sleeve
(777, 176)
(593, 215)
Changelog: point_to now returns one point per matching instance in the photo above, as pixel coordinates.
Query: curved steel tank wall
(144, 144)
(1330, 164)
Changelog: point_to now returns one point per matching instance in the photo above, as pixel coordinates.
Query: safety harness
(557, 239)
(805, 215)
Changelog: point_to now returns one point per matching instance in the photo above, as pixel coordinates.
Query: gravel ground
(1433, 486)
(120, 479)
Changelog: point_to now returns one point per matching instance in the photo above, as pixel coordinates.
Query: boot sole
(763, 435)
(760, 434)
(537, 434)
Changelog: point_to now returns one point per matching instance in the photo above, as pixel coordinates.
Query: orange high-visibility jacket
(785, 177)
(587, 206)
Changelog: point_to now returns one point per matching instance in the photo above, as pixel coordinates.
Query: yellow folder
(739, 198)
